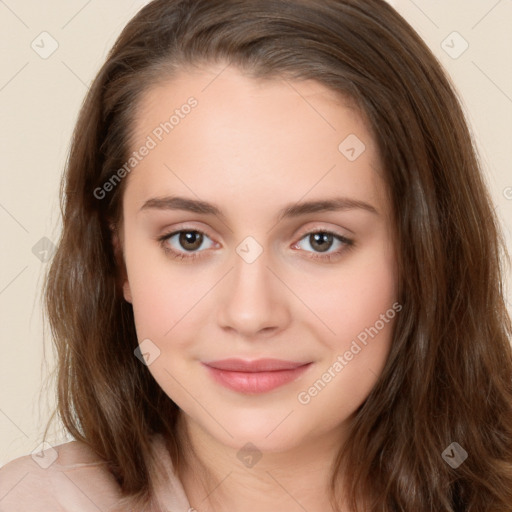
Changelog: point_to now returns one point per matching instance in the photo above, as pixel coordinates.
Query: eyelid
(315, 229)
(183, 255)
(301, 234)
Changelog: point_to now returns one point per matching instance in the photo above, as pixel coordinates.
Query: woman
(278, 285)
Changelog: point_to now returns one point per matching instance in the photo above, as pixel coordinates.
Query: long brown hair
(448, 377)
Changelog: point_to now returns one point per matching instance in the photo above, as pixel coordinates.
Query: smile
(254, 377)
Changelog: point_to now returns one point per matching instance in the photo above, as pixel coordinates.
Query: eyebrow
(290, 211)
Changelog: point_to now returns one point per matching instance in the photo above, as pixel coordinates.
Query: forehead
(218, 87)
(252, 139)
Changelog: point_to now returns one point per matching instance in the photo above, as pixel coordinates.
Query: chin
(266, 433)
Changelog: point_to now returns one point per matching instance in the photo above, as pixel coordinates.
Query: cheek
(162, 292)
(151, 304)
(161, 303)
(354, 296)
(362, 314)
(343, 384)
(359, 306)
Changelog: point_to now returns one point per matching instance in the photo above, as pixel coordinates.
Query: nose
(253, 301)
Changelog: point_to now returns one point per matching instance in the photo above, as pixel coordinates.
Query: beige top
(71, 478)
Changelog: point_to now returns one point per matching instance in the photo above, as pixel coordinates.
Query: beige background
(39, 101)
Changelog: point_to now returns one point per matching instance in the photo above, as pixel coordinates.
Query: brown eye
(185, 243)
(190, 240)
(321, 241)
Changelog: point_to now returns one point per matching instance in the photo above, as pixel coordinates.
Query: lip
(258, 376)
(258, 365)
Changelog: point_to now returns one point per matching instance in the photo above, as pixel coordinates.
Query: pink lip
(256, 376)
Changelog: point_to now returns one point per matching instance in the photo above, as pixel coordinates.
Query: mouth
(253, 377)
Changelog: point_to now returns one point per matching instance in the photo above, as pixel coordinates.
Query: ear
(127, 291)
(122, 275)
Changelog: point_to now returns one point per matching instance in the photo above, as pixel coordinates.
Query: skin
(251, 147)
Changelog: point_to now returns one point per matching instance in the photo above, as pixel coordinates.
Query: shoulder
(68, 476)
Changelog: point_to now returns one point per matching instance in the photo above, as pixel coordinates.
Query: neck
(219, 478)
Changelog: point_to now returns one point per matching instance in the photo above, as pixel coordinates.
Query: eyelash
(329, 257)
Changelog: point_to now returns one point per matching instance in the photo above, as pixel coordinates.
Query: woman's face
(280, 246)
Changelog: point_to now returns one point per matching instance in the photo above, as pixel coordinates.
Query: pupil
(322, 240)
(188, 237)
